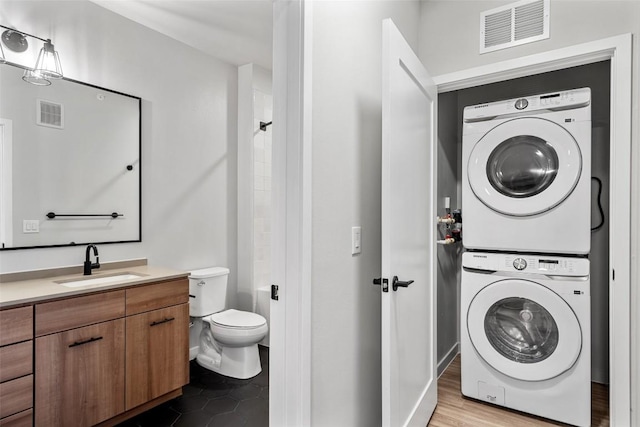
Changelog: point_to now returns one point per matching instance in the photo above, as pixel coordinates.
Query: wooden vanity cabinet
(80, 375)
(104, 357)
(157, 341)
(16, 367)
(80, 360)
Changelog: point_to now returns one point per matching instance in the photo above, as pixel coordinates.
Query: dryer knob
(519, 263)
(521, 104)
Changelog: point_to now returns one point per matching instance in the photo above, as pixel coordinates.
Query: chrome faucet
(88, 265)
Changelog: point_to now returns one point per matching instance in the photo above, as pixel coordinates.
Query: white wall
(255, 104)
(262, 144)
(189, 133)
(449, 40)
(346, 116)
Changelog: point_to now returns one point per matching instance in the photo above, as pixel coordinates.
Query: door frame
(618, 50)
(290, 315)
(290, 379)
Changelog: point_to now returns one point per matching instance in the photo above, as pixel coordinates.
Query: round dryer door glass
(522, 166)
(521, 330)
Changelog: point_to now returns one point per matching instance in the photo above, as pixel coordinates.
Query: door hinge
(274, 292)
(382, 281)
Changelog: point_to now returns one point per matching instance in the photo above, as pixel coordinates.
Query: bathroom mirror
(69, 163)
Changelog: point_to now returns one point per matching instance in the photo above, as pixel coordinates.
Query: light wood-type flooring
(455, 410)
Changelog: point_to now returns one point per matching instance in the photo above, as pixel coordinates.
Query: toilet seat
(236, 319)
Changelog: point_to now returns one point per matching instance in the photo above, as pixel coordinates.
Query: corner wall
(189, 152)
(255, 105)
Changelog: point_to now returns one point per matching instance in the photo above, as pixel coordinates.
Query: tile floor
(211, 399)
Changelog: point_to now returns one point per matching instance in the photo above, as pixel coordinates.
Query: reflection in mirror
(69, 163)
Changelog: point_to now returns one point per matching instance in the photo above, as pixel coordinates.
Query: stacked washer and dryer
(525, 300)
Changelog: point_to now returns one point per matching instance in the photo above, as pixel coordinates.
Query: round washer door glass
(524, 330)
(521, 330)
(524, 166)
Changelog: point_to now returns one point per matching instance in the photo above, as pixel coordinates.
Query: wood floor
(455, 410)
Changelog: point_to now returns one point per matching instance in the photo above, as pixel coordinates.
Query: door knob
(395, 284)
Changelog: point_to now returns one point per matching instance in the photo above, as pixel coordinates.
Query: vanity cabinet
(104, 357)
(80, 359)
(80, 375)
(157, 341)
(16, 367)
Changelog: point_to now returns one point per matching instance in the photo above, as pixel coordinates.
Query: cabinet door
(80, 375)
(157, 345)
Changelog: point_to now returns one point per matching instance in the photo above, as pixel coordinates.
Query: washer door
(524, 166)
(524, 330)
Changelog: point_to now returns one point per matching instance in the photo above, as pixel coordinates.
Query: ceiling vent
(514, 24)
(49, 114)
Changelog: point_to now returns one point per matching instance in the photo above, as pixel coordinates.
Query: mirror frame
(139, 101)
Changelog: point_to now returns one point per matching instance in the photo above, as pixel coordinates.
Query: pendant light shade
(48, 63)
(35, 78)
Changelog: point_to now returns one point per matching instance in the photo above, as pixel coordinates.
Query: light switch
(356, 240)
(30, 226)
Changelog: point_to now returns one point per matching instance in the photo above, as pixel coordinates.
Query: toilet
(228, 339)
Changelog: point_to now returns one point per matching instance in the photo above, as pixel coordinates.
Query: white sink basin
(102, 280)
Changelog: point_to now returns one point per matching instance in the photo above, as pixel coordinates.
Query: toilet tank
(207, 291)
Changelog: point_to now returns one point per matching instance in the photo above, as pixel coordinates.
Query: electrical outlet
(30, 226)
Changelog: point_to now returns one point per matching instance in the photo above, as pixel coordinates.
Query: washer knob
(521, 104)
(519, 264)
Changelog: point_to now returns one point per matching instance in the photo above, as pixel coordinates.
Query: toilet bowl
(231, 343)
(228, 341)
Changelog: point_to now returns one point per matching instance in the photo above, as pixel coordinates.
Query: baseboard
(448, 358)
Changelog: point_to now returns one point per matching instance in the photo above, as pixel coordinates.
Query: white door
(409, 380)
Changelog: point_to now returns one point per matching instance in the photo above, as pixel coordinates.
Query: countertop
(23, 292)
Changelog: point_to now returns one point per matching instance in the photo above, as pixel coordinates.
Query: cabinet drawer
(16, 395)
(159, 295)
(16, 325)
(16, 360)
(21, 419)
(75, 312)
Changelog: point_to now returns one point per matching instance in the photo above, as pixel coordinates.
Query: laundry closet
(597, 77)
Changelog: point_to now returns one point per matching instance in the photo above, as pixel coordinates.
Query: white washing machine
(526, 174)
(526, 334)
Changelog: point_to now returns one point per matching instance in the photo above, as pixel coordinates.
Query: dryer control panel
(555, 101)
(521, 263)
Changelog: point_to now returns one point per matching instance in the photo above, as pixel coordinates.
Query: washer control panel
(520, 263)
(556, 101)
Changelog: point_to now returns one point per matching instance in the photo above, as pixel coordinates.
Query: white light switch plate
(356, 240)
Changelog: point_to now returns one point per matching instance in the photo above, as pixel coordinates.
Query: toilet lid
(238, 319)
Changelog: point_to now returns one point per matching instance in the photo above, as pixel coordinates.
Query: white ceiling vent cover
(50, 114)
(514, 24)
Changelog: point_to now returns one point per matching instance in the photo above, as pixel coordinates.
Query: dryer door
(524, 330)
(524, 166)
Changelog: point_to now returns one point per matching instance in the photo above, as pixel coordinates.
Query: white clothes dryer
(526, 334)
(526, 174)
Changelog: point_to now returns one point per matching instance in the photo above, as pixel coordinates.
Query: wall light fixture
(48, 63)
